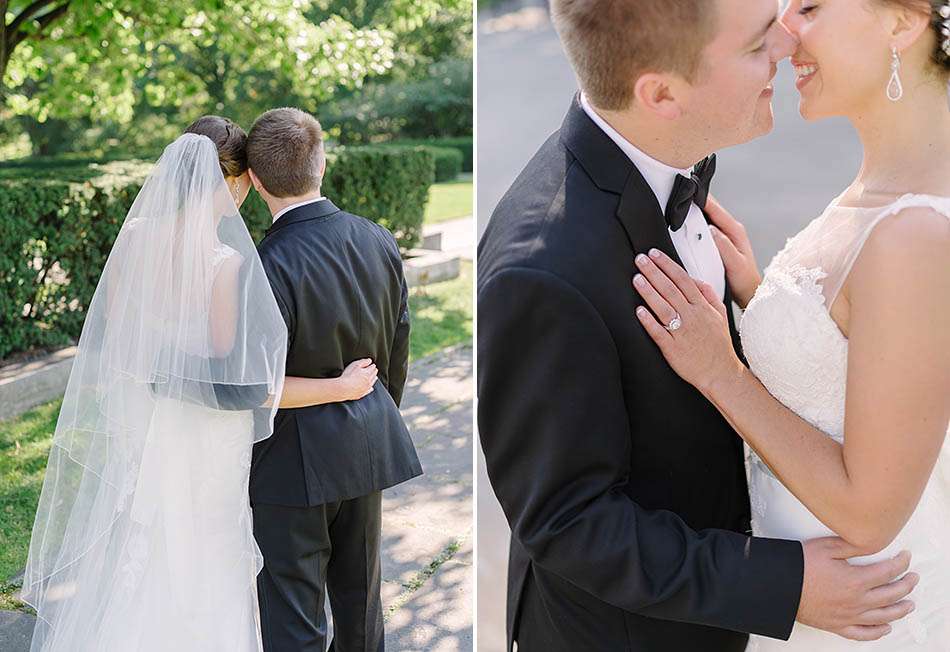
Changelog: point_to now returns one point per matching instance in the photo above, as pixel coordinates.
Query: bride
(847, 335)
(143, 540)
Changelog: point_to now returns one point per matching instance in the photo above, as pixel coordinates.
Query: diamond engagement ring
(674, 324)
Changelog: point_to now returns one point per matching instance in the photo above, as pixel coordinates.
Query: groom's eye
(806, 9)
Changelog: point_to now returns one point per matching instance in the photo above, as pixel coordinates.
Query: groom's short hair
(285, 150)
(610, 43)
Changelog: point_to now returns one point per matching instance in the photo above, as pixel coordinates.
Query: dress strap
(857, 228)
(936, 202)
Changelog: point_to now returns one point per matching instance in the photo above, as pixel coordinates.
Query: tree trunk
(3, 42)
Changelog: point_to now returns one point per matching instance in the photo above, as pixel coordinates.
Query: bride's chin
(806, 110)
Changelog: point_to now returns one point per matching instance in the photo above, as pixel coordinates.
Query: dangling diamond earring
(895, 90)
(945, 28)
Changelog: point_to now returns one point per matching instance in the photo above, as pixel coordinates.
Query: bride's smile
(804, 73)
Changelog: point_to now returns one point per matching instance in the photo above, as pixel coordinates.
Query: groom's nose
(785, 45)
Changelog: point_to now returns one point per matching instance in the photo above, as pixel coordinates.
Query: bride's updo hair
(940, 25)
(230, 140)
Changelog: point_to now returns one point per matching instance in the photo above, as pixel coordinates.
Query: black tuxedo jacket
(624, 488)
(338, 280)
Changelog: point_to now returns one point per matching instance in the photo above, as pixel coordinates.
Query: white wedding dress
(143, 538)
(796, 350)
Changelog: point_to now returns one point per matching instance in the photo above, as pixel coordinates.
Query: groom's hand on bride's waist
(856, 602)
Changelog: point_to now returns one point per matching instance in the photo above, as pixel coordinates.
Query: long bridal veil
(142, 539)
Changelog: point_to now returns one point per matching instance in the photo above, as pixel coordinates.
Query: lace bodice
(795, 348)
(789, 338)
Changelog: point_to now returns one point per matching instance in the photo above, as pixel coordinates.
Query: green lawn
(441, 314)
(450, 200)
(24, 448)
(441, 317)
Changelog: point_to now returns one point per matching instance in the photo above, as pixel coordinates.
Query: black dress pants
(312, 552)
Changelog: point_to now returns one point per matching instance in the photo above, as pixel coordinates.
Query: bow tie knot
(690, 190)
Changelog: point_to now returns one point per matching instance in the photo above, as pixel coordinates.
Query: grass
(441, 314)
(420, 578)
(450, 200)
(24, 448)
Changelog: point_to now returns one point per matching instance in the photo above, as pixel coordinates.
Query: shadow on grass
(441, 314)
(24, 451)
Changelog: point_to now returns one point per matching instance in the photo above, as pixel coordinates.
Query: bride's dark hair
(230, 140)
(940, 24)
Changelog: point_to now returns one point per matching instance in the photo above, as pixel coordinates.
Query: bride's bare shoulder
(910, 241)
(915, 225)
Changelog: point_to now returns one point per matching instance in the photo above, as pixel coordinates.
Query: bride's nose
(788, 42)
(789, 18)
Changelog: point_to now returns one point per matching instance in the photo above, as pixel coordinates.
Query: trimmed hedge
(448, 160)
(461, 143)
(59, 218)
(448, 163)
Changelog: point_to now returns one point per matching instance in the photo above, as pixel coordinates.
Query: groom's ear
(254, 180)
(657, 94)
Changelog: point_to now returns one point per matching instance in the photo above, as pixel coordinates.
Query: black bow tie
(693, 189)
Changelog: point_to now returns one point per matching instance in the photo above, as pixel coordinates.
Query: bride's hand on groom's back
(734, 246)
(359, 379)
(856, 602)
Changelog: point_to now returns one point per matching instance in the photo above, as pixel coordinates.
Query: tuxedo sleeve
(399, 355)
(398, 369)
(555, 432)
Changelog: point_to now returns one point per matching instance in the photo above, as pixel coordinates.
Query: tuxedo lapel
(643, 219)
(612, 170)
(604, 162)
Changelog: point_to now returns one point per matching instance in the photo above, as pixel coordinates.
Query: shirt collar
(657, 174)
(297, 205)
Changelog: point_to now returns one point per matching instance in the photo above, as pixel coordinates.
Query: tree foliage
(82, 58)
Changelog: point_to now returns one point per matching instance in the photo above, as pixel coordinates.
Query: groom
(316, 482)
(624, 488)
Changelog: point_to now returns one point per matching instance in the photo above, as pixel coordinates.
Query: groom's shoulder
(552, 185)
(365, 227)
(344, 225)
(553, 217)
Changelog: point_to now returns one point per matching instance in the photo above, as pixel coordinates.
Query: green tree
(72, 59)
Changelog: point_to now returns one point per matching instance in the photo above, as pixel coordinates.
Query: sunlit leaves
(90, 62)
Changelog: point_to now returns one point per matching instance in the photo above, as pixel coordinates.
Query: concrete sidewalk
(427, 522)
(428, 574)
(458, 236)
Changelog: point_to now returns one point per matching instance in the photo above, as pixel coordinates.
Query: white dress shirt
(297, 205)
(693, 241)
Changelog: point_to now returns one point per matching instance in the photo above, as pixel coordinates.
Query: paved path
(427, 522)
(458, 236)
(776, 185)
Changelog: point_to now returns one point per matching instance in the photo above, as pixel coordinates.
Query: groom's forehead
(741, 22)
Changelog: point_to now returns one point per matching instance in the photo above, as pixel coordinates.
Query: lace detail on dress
(785, 346)
(136, 557)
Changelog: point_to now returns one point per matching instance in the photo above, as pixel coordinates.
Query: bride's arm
(223, 314)
(898, 384)
(898, 391)
(357, 380)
